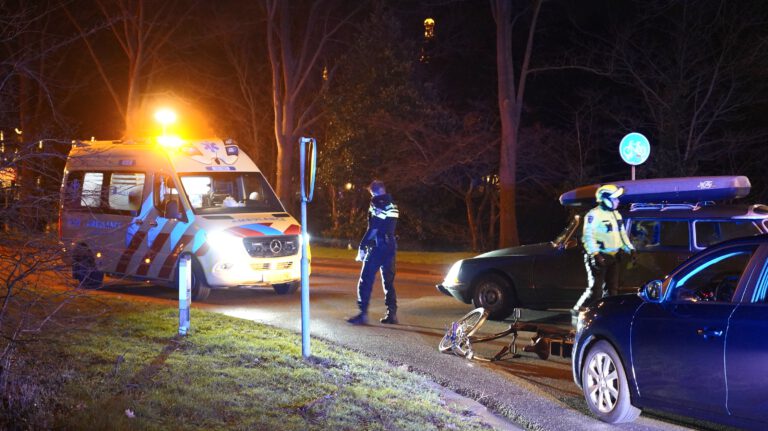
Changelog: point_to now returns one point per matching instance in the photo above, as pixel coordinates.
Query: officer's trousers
(602, 280)
(379, 258)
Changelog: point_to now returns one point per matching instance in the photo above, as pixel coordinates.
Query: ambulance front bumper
(254, 272)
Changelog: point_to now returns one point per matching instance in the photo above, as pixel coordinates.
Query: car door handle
(153, 223)
(706, 333)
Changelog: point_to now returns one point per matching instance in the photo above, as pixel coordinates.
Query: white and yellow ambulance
(131, 209)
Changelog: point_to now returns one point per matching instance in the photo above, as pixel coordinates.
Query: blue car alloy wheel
(605, 386)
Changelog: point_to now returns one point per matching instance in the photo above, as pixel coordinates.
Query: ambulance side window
(126, 191)
(92, 190)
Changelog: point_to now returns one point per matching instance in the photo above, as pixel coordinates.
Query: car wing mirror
(651, 291)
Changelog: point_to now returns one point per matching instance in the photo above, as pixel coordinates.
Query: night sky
(690, 77)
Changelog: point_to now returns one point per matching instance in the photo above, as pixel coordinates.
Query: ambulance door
(98, 209)
(161, 221)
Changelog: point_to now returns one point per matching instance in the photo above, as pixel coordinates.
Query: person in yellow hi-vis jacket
(605, 244)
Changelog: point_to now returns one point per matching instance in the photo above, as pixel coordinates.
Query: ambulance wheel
(286, 288)
(200, 289)
(494, 294)
(84, 269)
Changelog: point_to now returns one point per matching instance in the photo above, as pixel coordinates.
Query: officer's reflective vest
(604, 232)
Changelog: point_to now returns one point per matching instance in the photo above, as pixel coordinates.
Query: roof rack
(665, 206)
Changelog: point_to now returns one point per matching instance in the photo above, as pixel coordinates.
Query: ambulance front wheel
(200, 289)
(286, 288)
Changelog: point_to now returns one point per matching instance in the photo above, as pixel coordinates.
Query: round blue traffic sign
(634, 149)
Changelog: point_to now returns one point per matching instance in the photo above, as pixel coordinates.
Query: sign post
(185, 292)
(634, 149)
(308, 161)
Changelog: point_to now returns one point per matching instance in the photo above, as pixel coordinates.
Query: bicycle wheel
(457, 336)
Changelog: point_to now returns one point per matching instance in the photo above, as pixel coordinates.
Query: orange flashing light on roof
(170, 141)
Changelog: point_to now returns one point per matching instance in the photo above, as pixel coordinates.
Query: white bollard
(185, 293)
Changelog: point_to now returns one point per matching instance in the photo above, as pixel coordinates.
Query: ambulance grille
(272, 246)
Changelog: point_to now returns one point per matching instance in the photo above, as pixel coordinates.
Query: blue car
(694, 344)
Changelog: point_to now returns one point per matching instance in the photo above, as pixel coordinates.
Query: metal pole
(633, 172)
(305, 348)
(306, 196)
(185, 293)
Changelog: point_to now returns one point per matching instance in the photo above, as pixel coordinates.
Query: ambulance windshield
(229, 193)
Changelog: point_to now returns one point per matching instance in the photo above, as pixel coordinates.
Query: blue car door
(678, 345)
(746, 347)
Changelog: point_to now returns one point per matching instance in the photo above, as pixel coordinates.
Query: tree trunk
(471, 222)
(510, 109)
(334, 210)
(285, 149)
(508, 113)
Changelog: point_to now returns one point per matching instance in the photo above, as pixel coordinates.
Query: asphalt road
(533, 393)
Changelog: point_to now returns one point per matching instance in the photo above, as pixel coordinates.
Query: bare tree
(510, 97)
(297, 37)
(141, 29)
(693, 71)
(454, 152)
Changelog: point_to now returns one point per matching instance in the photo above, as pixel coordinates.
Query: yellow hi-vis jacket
(604, 232)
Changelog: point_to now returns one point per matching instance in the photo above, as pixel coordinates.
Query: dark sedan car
(695, 344)
(552, 275)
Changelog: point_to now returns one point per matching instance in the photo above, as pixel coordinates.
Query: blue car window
(712, 232)
(713, 279)
(659, 234)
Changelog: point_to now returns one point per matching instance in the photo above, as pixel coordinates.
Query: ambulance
(132, 209)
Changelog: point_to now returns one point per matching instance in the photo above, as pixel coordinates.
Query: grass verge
(420, 257)
(114, 364)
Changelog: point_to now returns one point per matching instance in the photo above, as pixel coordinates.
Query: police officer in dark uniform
(377, 252)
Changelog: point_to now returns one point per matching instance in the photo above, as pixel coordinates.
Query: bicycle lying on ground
(460, 338)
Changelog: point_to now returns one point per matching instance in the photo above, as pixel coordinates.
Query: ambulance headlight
(452, 278)
(224, 242)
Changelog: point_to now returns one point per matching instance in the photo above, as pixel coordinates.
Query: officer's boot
(359, 319)
(390, 318)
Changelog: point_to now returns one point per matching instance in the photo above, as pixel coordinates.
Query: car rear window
(712, 232)
(649, 235)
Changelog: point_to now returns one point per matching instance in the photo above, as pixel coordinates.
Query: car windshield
(568, 231)
(229, 193)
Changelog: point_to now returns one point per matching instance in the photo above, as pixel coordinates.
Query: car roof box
(666, 190)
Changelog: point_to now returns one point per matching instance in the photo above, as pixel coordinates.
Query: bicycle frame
(460, 338)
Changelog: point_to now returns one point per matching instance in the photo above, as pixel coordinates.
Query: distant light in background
(325, 73)
(348, 186)
(429, 40)
(429, 28)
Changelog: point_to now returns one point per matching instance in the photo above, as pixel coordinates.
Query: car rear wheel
(84, 269)
(605, 386)
(286, 288)
(495, 295)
